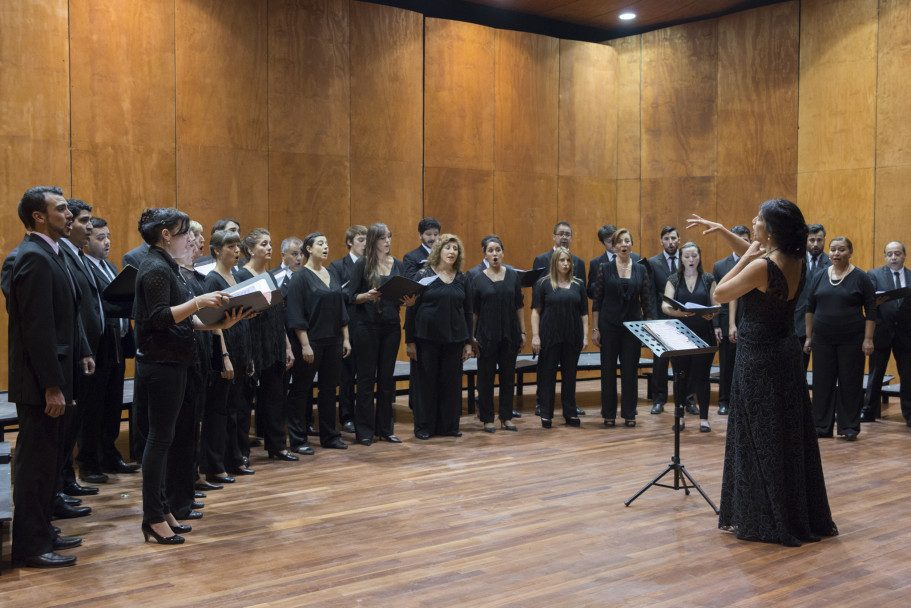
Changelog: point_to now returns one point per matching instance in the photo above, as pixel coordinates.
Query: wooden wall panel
(629, 124)
(892, 221)
(458, 82)
(386, 53)
(309, 169)
(123, 114)
(628, 210)
(462, 200)
(587, 204)
(222, 142)
(530, 232)
(679, 101)
(527, 67)
(668, 202)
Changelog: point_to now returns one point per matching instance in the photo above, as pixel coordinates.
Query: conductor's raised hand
(708, 225)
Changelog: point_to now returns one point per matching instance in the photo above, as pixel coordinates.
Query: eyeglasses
(563, 233)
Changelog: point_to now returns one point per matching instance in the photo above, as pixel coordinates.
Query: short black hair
(741, 230)
(77, 206)
(428, 223)
(562, 223)
(98, 222)
(35, 199)
(308, 242)
(491, 238)
(606, 231)
(667, 229)
(814, 228)
(220, 224)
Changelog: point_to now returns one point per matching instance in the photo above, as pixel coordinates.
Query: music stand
(668, 338)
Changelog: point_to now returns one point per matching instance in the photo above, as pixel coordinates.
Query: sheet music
(260, 286)
(428, 280)
(666, 332)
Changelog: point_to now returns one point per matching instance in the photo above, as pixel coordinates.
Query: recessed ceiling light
(627, 16)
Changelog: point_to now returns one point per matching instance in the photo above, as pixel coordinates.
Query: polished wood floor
(533, 518)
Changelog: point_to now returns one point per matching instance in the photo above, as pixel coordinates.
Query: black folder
(398, 287)
(256, 300)
(699, 309)
(527, 278)
(894, 294)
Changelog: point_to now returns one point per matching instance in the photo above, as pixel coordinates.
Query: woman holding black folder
(272, 353)
(621, 291)
(498, 332)
(691, 285)
(438, 340)
(377, 333)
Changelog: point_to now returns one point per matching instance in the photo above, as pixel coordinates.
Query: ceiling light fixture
(627, 16)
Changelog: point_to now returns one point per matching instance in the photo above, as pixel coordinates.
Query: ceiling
(591, 20)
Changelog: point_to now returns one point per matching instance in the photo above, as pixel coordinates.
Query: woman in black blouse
(163, 310)
(377, 333)
(272, 353)
(220, 450)
(319, 318)
(438, 340)
(691, 285)
(499, 332)
(559, 328)
(621, 292)
(840, 324)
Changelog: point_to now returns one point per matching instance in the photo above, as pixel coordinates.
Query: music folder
(699, 309)
(397, 287)
(527, 278)
(894, 294)
(257, 293)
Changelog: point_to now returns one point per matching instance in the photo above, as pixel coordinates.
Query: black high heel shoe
(546, 423)
(490, 429)
(286, 456)
(504, 424)
(573, 422)
(631, 422)
(147, 531)
(181, 528)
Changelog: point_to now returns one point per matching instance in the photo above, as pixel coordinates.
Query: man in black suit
(429, 231)
(893, 333)
(44, 348)
(103, 403)
(92, 317)
(817, 261)
(726, 327)
(605, 233)
(356, 241)
(662, 265)
(563, 237)
(292, 260)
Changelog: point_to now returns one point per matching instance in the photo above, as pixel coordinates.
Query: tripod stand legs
(681, 475)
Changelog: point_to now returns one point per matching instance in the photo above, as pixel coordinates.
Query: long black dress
(773, 488)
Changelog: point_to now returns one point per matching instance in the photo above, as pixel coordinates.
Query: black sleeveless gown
(773, 488)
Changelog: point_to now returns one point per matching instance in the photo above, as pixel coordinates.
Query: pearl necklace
(831, 273)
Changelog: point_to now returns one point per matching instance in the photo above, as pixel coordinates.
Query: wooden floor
(534, 518)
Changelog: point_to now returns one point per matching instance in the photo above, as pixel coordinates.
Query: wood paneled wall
(305, 115)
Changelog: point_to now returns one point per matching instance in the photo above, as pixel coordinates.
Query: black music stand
(654, 335)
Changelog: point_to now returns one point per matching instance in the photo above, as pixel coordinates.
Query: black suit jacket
(44, 326)
(89, 311)
(123, 346)
(6, 273)
(414, 261)
(342, 268)
(134, 256)
(594, 266)
(893, 319)
(800, 312)
(660, 271)
(723, 318)
(543, 261)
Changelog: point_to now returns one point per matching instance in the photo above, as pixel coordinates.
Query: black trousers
(659, 380)
(180, 476)
(242, 403)
(878, 362)
(697, 369)
(727, 352)
(378, 345)
(625, 345)
(566, 356)
(161, 386)
(838, 375)
(347, 380)
(35, 471)
(69, 430)
(270, 407)
(437, 382)
(298, 406)
(327, 361)
(103, 406)
(500, 356)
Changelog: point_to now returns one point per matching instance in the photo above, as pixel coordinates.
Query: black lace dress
(773, 488)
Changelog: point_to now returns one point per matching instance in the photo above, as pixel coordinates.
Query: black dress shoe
(219, 479)
(121, 467)
(180, 528)
(453, 434)
(48, 560)
(197, 504)
(194, 515)
(348, 427)
(537, 409)
(56, 530)
(73, 502)
(422, 435)
(312, 432)
(242, 471)
(516, 414)
(723, 409)
(72, 488)
(850, 436)
(284, 455)
(573, 422)
(580, 412)
(206, 486)
(691, 408)
(64, 511)
(66, 542)
(365, 442)
(658, 407)
(305, 449)
(335, 444)
(256, 442)
(867, 415)
(390, 438)
(546, 423)
(93, 477)
(199, 494)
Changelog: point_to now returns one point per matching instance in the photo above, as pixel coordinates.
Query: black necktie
(814, 262)
(671, 260)
(66, 269)
(898, 280)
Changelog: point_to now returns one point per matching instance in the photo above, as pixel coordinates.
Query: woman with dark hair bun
(318, 316)
(164, 314)
(840, 323)
(498, 332)
(378, 333)
(773, 489)
(272, 353)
